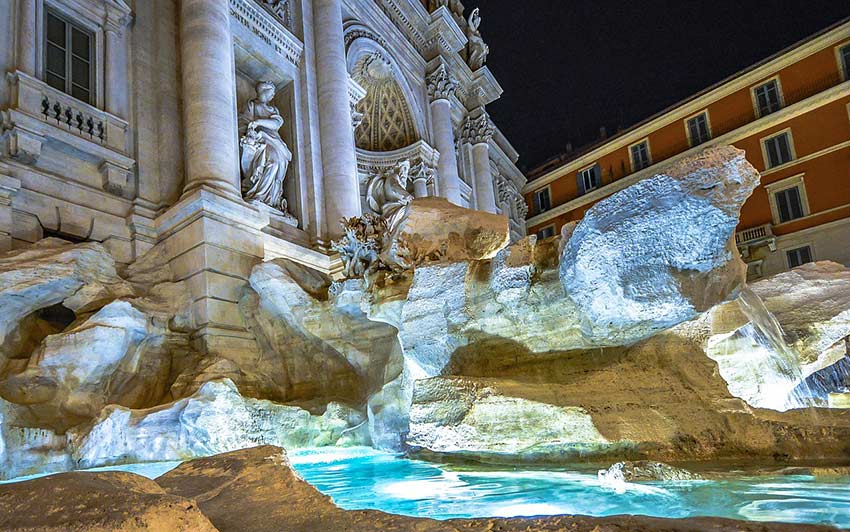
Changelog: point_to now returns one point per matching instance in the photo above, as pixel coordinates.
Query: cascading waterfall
(764, 330)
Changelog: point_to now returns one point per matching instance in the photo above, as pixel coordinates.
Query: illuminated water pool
(361, 478)
(365, 479)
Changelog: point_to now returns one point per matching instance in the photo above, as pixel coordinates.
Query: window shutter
(580, 184)
(597, 175)
(537, 201)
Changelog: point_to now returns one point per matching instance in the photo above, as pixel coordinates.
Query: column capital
(441, 85)
(478, 129)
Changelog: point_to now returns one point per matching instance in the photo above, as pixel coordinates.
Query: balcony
(38, 113)
(755, 237)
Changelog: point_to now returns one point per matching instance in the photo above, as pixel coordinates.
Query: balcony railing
(754, 234)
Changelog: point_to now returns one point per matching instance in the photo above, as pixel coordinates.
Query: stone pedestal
(339, 160)
(212, 242)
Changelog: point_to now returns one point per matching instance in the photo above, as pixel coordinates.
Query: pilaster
(9, 186)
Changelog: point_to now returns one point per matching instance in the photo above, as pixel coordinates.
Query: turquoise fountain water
(362, 478)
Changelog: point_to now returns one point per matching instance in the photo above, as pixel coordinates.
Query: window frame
(843, 70)
(71, 23)
(791, 148)
(648, 154)
(707, 126)
(782, 185)
(535, 203)
(797, 247)
(592, 168)
(544, 228)
(85, 18)
(779, 92)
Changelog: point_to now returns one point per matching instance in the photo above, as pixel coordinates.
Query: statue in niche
(265, 156)
(455, 6)
(387, 194)
(477, 49)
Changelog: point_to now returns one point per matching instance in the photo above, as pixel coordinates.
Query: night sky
(571, 66)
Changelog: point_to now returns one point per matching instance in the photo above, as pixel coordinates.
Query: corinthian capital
(477, 129)
(441, 86)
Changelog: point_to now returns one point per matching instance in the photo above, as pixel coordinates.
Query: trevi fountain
(321, 312)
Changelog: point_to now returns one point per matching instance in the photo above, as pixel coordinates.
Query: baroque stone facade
(227, 132)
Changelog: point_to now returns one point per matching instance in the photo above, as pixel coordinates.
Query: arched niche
(392, 118)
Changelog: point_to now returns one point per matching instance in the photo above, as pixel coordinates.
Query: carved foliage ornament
(441, 86)
(478, 129)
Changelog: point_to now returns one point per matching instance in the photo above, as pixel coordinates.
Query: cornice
(748, 130)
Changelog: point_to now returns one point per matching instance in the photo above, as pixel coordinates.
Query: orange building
(790, 113)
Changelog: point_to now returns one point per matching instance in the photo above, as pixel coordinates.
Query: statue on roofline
(477, 49)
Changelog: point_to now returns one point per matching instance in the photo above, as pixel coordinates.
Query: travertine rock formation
(215, 420)
(256, 490)
(659, 252)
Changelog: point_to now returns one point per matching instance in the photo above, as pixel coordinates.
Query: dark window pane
(55, 60)
(80, 44)
(55, 30)
(784, 149)
(80, 93)
(795, 204)
(845, 58)
(782, 204)
(80, 73)
(57, 82)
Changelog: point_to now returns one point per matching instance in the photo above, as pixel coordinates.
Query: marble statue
(477, 48)
(361, 245)
(455, 6)
(265, 156)
(387, 194)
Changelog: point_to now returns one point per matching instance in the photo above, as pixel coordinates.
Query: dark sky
(571, 66)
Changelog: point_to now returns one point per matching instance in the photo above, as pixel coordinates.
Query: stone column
(27, 38)
(478, 132)
(339, 160)
(440, 89)
(115, 95)
(209, 104)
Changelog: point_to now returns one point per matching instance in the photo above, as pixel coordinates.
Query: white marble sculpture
(387, 194)
(477, 48)
(265, 156)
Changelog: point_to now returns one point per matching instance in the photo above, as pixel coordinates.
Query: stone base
(212, 242)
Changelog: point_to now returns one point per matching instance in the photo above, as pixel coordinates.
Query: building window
(542, 200)
(589, 179)
(698, 129)
(546, 232)
(778, 150)
(68, 58)
(639, 154)
(789, 204)
(844, 61)
(768, 98)
(799, 256)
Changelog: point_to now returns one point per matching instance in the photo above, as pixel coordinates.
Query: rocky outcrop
(256, 490)
(647, 471)
(52, 272)
(97, 502)
(215, 420)
(469, 417)
(661, 251)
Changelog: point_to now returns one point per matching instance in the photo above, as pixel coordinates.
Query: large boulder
(216, 419)
(661, 251)
(436, 230)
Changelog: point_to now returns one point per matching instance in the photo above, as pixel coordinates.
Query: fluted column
(440, 89)
(339, 160)
(209, 106)
(478, 132)
(27, 38)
